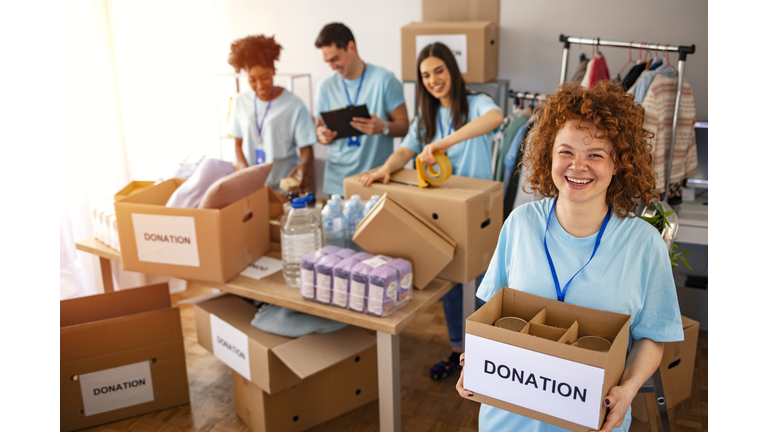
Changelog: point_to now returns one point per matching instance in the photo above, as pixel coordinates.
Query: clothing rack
(517, 96)
(682, 50)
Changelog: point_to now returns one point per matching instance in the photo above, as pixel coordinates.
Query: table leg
(106, 274)
(388, 351)
(468, 301)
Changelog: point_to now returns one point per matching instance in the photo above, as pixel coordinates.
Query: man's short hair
(335, 33)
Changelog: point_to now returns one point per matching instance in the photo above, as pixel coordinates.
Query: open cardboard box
(211, 245)
(349, 384)
(394, 230)
(122, 355)
(271, 362)
(132, 188)
(469, 211)
(545, 377)
(677, 364)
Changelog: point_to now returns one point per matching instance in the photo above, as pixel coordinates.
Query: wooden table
(273, 290)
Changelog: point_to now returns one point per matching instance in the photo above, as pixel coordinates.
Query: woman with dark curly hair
(269, 123)
(589, 157)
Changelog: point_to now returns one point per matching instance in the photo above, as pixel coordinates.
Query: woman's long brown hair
(428, 105)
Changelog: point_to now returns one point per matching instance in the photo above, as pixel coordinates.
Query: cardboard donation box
(328, 394)
(474, 45)
(469, 211)
(122, 355)
(271, 362)
(393, 229)
(549, 368)
(677, 364)
(212, 245)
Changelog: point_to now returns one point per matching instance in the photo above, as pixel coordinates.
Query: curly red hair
(254, 50)
(617, 118)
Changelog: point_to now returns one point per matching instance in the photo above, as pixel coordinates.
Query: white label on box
(340, 286)
(357, 295)
(230, 345)
(457, 43)
(561, 388)
(262, 268)
(323, 294)
(375, 296)
(116, 388)
(166, 239)
(307, 283)
(377, 261)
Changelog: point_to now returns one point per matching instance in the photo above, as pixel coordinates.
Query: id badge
(260, 157)
(354, 141)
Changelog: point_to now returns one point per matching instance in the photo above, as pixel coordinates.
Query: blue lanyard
(440, 123)
(355, 140)
(260, 126)
(561, 295)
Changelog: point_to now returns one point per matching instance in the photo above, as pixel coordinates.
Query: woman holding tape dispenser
(453, 121)
(589, 156)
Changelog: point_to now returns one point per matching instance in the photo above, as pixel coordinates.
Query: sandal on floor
(443, 369)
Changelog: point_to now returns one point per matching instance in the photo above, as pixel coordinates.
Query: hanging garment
(656, 62)
(644, 82)
(588, 73)
(599, 71)
(581, 70)
(659, 105)
(290, 323)
(632, 76)
(511, 164)
(507, 136)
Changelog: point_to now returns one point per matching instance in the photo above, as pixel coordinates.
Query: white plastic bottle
(300, 234)
(333, 224)
(369, 205)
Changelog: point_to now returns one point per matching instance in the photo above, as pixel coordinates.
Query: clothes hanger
(668, 65)
(630, 59)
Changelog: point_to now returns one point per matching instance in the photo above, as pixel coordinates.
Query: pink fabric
(599, 71)
(236, 186)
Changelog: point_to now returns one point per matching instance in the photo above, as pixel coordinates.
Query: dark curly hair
(617, 118)
(254, 50)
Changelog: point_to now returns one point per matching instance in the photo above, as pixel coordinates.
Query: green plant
(659, 220)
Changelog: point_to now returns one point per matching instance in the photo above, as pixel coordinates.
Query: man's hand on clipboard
(325, 135)
(368, 126)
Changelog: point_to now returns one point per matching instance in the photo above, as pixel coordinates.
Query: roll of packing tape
(428, 175)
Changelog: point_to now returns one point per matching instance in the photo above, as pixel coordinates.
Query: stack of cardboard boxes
(285, 384)
(469, 28)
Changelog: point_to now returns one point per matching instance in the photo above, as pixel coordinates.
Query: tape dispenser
(427, 174)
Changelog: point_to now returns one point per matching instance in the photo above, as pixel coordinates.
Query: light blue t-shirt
(630, 274)
(382, 93)
(470, 158)
(287, 126)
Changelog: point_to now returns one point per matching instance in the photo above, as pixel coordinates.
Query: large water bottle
(300, 234)
(369, 205)
(333, 224)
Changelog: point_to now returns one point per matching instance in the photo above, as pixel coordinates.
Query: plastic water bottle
(352, 217)
(300, 234)
(333, 224)
(369, 205)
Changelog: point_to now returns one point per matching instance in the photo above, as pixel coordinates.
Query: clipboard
(338, 120)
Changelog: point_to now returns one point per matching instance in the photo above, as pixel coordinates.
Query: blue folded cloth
(290, 323)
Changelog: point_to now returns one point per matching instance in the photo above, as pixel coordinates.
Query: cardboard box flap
(687, 322)
(427, 224)
(157, 195)
(313, 353)
(110, 305)
(450, 26)
(132, 188)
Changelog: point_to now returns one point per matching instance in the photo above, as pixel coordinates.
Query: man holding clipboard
(357, 89)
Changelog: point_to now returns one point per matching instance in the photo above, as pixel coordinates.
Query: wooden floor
(427, 406)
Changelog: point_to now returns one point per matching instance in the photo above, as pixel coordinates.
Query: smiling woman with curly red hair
(269, 123)
(590, 158)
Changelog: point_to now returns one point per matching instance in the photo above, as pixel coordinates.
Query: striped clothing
(659, 105)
